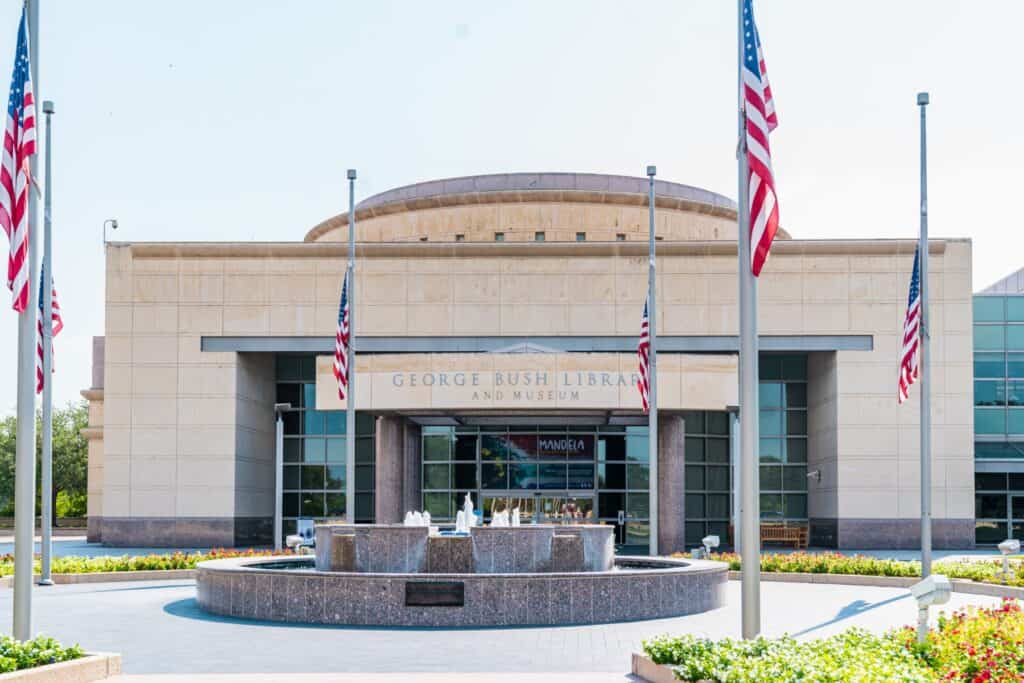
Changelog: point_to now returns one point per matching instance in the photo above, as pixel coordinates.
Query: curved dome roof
(590, 188)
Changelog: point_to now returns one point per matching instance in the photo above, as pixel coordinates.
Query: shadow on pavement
(855, 608)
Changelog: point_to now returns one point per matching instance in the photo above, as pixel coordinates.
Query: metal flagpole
(46, 497)
(750, 542)
(926, 388)
(25, 458)
(652, 367)
(350, 395)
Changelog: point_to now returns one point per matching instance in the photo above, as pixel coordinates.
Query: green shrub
(976, 644)
(39, 651)
(136, 563)
(852, 656)
(988, 571)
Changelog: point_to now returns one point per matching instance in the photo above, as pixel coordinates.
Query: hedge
(39, 651)
(90, 565)
(972, 645)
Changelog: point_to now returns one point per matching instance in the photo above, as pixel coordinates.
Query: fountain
(504, 574)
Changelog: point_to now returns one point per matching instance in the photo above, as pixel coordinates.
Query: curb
(94, 666)
(959, 585)
(112, 577)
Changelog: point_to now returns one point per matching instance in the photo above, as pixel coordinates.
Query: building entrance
(546, 508)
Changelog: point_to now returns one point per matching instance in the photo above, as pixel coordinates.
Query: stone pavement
(158, 628)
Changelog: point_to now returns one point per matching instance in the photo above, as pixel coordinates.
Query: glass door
(545, 508)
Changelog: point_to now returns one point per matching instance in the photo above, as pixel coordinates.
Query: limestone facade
(182, 441)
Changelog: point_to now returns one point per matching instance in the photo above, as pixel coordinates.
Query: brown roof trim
(493, 249)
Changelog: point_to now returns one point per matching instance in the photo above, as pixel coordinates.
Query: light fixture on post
(1010, 546)
(934, 590)
(280, 409)
(112, 222)
(709, 542)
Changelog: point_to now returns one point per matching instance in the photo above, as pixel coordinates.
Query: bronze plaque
(435, 594)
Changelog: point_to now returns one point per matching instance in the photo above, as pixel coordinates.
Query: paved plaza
(158, 628)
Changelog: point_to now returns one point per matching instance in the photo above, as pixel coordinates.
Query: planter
(113, 577)
(97, 666)
(646, 670)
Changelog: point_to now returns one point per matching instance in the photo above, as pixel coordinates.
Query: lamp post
(113, 226)
(280, 409)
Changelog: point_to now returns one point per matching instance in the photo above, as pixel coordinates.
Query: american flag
(19, 145)
(341, 341)
(911, 333)
(58, 325)
(759, 109)
(643, 352)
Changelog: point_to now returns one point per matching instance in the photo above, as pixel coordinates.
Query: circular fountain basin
(292, 589)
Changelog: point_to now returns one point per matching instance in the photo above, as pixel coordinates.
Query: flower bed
(973, 645)
(986, 571)
(40, 651)
(91, 565)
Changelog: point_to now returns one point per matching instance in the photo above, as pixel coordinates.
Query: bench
(785, 533)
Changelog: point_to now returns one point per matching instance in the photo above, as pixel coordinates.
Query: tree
(70, 458)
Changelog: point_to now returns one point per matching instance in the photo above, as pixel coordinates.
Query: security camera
(815, 475)
(113, 224)
(935, 590)
(709, 542)
(1010, 546)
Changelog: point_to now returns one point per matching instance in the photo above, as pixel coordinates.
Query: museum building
(496, 322)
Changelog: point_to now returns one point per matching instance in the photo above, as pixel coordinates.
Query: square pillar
(671, 484)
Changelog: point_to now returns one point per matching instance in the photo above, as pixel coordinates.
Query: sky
(235, 120)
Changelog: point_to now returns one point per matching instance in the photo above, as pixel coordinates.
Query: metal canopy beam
(666, 344)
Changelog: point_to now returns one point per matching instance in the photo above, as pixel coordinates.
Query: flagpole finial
(922, 98)
(351, 174)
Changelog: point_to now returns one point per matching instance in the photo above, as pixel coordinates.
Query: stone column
(389, 472)
(412, 498)
(671, 484)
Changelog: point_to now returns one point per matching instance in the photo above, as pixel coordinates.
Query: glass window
(987, 506)
(291, 477)
(796, 450)
(796, 395)
(794, 478)
(1015, 337)
(581, 474)
(523, 476)
(989, 337)
(465, 475)
(983, 450)
(552, 475)
(718, 506)
(989, 393)
(771, 505)
(436, 447)
(1015, 421)
(771, 423)
(335, 477)
(1017, 507)
(771, 478)
(313, 477)
(694, 449)
(990, 533)
(309, 396)
(290, 505)
(770, 395)
(989, 421)
(313, 450)
(1015, 393)
(694, 506)
(694, 478)
(770, 367)
(288, 368)
(989, 481)
(717, 478)
(312, 504)
(609, 504)
(538, 236)
(637, 448)
(637, 505)
(336, 450)
(771, 450)
(718, 450)
(795, 506)
(499, 237)
(794, 367)
(988, 309)
(437, 505)
(637, 477)
(1014, 365)
(1014, 308)
(611, 475)
(335, 504)
(365, 451)
(694, 422)
(494, 475)
(465, 447)
(796, 422)
(581, 237)
(992, 364)
(718, 423)
(292, 450)
(289, 393)
(493, 447)
(436, 477)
